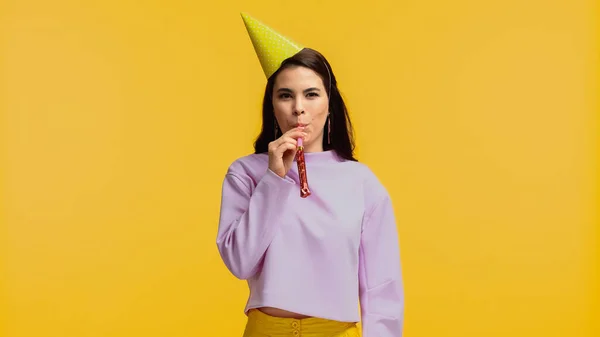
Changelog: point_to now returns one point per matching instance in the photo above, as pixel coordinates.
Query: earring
(329, 128)
(276, 130)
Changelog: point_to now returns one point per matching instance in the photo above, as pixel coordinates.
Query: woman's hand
(283, 150)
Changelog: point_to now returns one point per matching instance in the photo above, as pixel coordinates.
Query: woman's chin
(310, 146)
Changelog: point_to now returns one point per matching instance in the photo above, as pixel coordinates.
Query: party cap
(271, 47)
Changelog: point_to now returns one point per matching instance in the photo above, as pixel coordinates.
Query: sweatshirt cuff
(272, 178)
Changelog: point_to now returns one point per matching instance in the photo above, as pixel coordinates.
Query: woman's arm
(380, 280)
(249, 219)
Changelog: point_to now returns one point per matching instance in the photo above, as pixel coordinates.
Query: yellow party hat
(270, 46)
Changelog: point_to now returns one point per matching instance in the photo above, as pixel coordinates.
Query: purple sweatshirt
(319, 255)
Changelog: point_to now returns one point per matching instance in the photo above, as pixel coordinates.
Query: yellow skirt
(263, 325)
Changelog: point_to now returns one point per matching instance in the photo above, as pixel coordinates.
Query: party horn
(304, 191)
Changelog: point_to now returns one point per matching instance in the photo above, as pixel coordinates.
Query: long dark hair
(342, 140)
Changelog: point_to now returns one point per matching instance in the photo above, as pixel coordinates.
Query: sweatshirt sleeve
(380, 280)
(249, 218)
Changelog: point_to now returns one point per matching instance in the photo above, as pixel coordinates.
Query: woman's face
(299, 97)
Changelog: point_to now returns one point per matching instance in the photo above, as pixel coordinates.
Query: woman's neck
(316, 146)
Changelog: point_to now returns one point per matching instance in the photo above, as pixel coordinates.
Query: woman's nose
(298, 108)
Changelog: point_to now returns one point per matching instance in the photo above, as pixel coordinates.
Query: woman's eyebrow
(305, 90)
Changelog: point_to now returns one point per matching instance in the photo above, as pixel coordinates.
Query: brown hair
(342, 140)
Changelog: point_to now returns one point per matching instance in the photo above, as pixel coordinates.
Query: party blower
(304, 190)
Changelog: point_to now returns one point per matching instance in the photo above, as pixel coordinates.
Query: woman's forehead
(298, 78)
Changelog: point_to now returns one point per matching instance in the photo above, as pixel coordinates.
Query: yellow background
(119, 119)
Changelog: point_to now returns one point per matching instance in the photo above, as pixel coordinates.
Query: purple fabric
(319, 256)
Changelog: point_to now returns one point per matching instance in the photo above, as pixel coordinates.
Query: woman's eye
(282, 96)
(313, 94)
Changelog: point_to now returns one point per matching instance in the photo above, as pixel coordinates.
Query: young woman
(309, 261)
